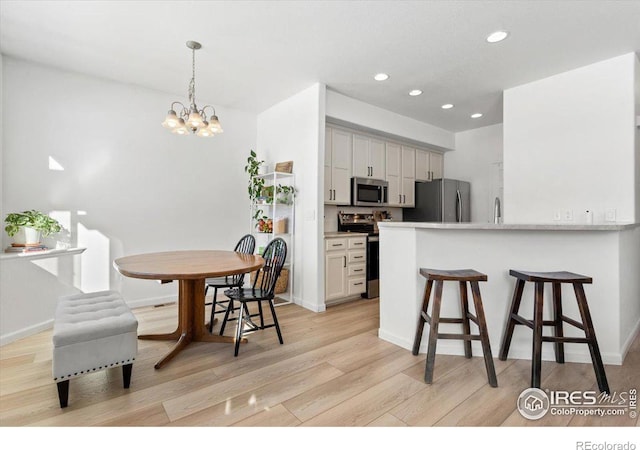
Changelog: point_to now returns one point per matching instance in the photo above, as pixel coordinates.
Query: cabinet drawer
(335, 244)
(357, 286)
(356, 243)
(356, 256)
(356, 270)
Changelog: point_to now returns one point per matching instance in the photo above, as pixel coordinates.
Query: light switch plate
(568, 215)
(610, 215)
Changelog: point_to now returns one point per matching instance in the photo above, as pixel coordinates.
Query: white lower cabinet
(345, 268)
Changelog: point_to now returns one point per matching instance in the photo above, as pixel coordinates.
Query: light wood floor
(331, 371)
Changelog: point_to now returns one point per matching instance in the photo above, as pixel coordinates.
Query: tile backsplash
(331, 214)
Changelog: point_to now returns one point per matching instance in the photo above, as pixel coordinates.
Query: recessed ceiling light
(381, 76)
(447, 106)
(415, 92)
(476, 115)
(497, 36)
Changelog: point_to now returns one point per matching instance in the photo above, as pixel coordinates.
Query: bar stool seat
(559, 319)
(462, 276)
(550, 277)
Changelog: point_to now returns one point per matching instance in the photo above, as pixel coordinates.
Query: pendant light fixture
(191, 119)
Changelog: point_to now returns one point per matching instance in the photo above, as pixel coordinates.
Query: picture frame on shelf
(284, 167)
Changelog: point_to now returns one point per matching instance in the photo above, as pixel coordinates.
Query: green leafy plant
(32, 219)
(285, 194)
(256, 184)
(252, 168)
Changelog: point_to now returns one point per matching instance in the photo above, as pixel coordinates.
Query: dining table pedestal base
(191, 322)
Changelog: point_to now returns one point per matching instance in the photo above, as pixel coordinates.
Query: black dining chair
(262, 290)
(246, 244)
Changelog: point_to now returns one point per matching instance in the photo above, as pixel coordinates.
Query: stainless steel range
(366, 223)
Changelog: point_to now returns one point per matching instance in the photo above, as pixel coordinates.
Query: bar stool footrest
(563, 339)
(464, 337)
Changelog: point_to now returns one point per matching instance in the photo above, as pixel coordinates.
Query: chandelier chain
(192, 84)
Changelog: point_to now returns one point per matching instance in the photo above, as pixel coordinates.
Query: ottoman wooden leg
(126, 375)
(63, 393)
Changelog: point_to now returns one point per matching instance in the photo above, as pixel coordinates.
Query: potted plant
(27, 226)
(256, 184)
(285, 194)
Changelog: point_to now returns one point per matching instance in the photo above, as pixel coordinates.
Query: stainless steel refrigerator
(443, 200)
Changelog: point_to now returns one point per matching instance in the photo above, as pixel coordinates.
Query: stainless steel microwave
(369, 192)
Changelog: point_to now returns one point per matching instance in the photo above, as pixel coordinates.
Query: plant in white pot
(27, 226)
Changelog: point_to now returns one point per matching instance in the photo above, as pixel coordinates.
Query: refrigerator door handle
(458, 206)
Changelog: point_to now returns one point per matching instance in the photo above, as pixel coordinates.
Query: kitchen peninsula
(609, 253)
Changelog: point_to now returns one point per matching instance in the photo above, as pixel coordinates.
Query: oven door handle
(373, 238)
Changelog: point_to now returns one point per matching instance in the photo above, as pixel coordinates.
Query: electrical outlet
(610, 215)
(557, 215)
(567, 215)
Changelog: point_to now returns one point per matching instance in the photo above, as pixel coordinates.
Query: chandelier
(192, 119)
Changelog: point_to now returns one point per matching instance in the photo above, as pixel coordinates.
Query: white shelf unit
(280, 208)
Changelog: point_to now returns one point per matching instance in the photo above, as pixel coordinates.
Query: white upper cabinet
(423, 170)
(394, 176)
(377, 159)
(337, 169)
(401, 175)
(428, 165)
(408, 177)
(368, 157)
(436, 161)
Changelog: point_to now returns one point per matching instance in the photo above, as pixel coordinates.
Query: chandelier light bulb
(204, 131)
(171, 121)
(181, 128)
(214, 125)
(195, 120)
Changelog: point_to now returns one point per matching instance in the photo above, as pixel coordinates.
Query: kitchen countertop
(332, 234)
(510, 226)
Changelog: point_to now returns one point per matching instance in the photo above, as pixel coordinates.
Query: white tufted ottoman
(92, 332)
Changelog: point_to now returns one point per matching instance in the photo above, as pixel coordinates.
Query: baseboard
(153, 301)
(632, 337)
(25, 332)
(311, 306)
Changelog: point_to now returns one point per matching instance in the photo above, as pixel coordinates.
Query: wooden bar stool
(462, 276)
(556, 279)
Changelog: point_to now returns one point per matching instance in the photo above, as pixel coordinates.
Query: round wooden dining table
(190, 268)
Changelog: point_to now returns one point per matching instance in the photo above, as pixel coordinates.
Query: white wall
(637, 135)
(141, 188)
(1, 139)
(569, 145)
(293, 130)
(356, 112)
(478, 159)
